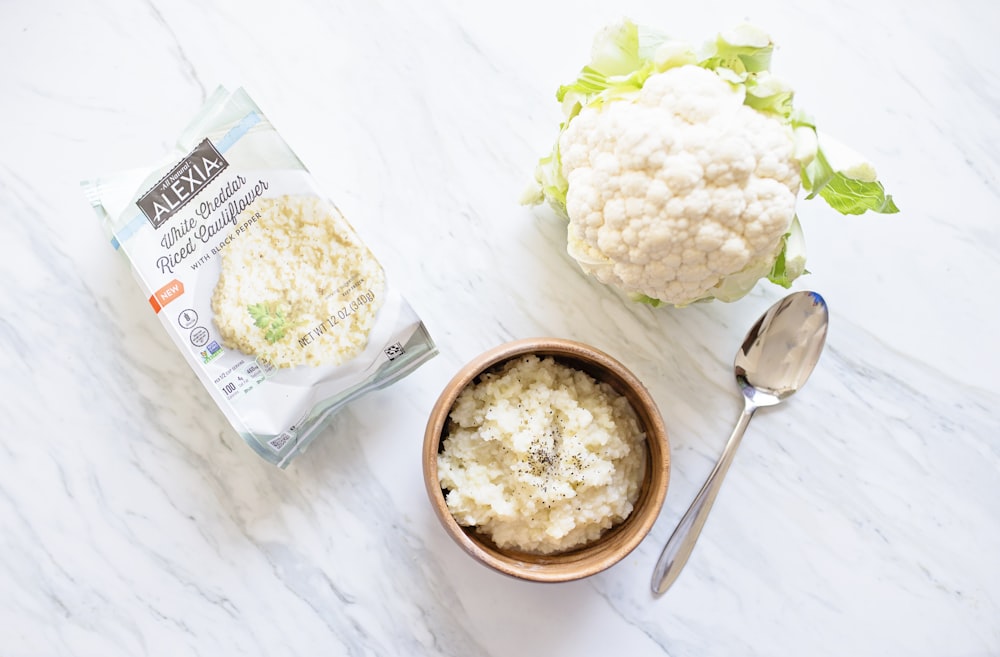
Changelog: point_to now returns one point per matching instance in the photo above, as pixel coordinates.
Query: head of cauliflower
(680, 192)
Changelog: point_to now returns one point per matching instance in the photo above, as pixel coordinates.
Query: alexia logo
(182, 183)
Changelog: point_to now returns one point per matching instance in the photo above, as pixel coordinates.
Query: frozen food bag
(281, 310)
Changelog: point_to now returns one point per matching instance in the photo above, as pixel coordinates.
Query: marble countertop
(862, 518)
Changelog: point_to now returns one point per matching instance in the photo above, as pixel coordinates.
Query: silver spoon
(777, 356)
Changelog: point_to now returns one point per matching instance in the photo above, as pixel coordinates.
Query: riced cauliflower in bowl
(541, 456)
(546, 459)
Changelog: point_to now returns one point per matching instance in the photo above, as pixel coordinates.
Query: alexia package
(281, 310)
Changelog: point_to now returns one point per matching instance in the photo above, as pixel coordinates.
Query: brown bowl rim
(591, 559)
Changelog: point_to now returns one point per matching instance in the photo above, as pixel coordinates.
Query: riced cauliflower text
(541, 457)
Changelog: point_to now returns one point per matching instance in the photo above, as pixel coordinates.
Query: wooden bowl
(616, 543)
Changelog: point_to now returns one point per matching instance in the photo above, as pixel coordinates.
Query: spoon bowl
(782, 348)
(776, 358)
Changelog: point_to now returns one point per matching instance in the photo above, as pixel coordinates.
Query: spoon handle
(677, 550)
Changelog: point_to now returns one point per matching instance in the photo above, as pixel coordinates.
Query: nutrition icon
(199, 336)
(187, 319)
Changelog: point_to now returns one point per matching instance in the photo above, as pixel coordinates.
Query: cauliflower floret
(674, 191)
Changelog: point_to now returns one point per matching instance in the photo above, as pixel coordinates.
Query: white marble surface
(863, 518)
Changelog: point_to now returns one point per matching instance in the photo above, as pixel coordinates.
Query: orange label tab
(166, 294)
